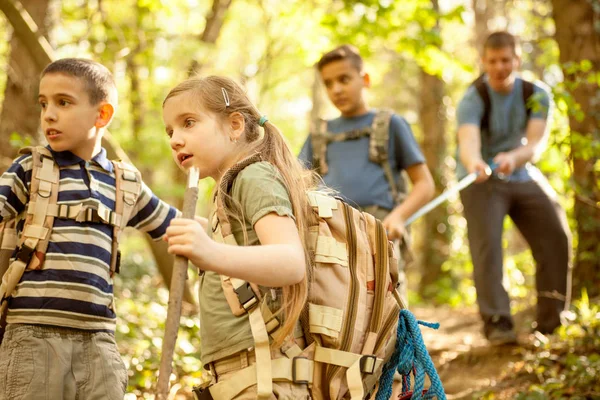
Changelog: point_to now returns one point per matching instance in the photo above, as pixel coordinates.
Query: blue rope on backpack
(410, 355)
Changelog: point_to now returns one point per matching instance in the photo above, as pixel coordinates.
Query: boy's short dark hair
(502, 39)
(344, 52)
(99, 82)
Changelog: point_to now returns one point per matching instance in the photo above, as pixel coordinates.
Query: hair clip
(225, 97)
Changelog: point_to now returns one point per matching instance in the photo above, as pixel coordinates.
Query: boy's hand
(394, 226)
(188, 238)
(506, 163)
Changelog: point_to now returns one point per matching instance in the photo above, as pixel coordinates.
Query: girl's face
(197, 136)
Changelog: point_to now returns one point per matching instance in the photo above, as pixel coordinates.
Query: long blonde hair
(272, 147)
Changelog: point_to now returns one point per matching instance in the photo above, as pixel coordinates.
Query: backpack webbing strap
(128, 185)
(82, 213)
(262, 351)
(356, 364)
(481, 87)
(297, 370)
(34, 238)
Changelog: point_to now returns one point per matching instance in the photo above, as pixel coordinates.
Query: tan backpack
(350, 318)
(379, 135)
(42, 208)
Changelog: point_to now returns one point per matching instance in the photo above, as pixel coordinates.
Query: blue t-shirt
(507, 122)
(357, 179)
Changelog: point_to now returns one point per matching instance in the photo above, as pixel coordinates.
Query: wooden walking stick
(176, 293)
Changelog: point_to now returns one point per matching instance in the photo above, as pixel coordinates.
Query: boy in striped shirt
(59, 341)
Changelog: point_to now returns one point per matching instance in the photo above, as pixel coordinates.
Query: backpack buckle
(246, 296)
(24, 253)
(367, 364)
(295, 370)
(202, 393)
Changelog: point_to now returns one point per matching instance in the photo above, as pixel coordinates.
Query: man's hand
(394, 226)
(479, 166)
(506, 163)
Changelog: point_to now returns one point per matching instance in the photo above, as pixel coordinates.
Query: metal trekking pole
(176, 292)
(463, 183)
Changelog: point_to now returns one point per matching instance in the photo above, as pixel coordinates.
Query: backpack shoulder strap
(318, 139)
(128, 186)
(379, 149)
(482, 90)
(33, 241)
(43, 196)
(528, 90)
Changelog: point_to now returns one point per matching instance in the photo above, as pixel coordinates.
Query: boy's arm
(409, 158)
(422, 191)
(151, 214)
(14, 188)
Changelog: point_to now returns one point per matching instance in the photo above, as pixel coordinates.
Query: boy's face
(68, 120)
(345, 84)
(499, 64)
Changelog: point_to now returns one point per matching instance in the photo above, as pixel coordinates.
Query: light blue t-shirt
(357, 179)
(507, 122)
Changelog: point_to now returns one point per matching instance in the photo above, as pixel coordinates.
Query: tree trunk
(435, 244)
(20, 113)
(578, 39)
(484, 11)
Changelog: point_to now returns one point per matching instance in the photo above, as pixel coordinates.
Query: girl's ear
(105, 114)
(237, 123)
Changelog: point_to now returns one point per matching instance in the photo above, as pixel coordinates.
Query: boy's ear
(105, 114)
(366, 79)
(237, 123)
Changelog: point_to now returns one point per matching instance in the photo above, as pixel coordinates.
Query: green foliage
(141, 302)
(17, 140)
(567, 364)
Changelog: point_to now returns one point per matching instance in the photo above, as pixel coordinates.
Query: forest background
(421, 55)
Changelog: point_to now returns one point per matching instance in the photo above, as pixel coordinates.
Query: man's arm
(537, 136)
(469, 144)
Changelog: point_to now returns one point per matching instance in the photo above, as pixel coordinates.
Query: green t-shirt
(260, 190)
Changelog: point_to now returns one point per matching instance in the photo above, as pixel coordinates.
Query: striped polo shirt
(74, 288)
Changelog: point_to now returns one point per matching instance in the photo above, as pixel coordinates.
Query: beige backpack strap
(319, 141)
(128, 186)
(33, 242)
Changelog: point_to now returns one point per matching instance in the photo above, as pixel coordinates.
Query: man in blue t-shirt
(351, 170)
(496, 125)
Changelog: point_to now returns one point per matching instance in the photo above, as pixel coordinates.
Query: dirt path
(467, 365)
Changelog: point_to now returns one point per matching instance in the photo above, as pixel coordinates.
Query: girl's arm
(278, 261)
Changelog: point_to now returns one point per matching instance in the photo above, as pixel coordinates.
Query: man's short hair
(98, 80)
(344, 52)
(502, 39)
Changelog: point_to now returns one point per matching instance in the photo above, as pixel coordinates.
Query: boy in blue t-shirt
(59, 341)
(496, 122)
(373, 185)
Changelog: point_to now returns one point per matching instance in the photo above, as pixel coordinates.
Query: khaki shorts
(49, 363)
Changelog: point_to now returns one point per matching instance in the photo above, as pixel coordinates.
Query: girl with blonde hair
(255, 233)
